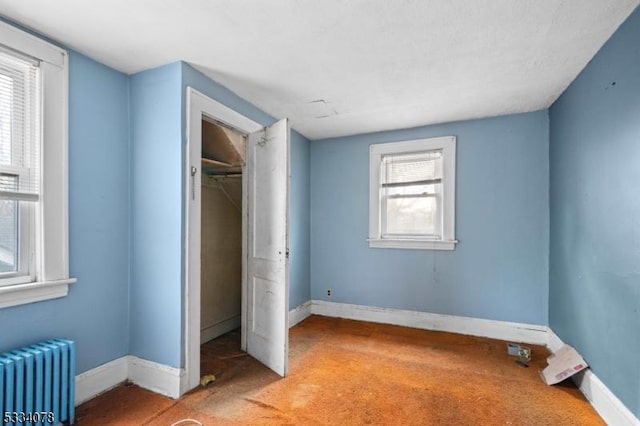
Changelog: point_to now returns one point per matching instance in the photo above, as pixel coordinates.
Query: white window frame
(25, 211)
(446, 144)
(26, 272)
(50, 271)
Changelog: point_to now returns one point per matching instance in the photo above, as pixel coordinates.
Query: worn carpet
(344, 372)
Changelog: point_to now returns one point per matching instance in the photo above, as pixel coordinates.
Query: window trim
(376, 151)
(25, 223)
(50, 233)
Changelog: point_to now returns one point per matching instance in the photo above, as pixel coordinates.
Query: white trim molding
(299, 313)
(554, 343)
(50, 234)
(150, 375)
(156, 377)
(100, 379)
(503, 330)
(29, 43)
(198, 106)
(445, 222)
(412, 244)
(167, 380)
(218, 329)
(606, 404)
(19, 294)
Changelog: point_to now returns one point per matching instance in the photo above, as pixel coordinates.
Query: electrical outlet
(329, 292)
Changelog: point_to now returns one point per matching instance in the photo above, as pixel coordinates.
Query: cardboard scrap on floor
(563, 364)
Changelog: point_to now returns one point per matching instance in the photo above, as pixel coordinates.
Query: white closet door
(267, 334)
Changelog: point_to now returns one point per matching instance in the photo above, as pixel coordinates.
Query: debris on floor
(207, 379)
(522, 352)
(563, 364)
(346, 372)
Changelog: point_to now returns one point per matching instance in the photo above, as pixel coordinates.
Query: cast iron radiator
(37, 384)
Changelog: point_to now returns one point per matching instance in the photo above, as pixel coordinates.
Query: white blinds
(424, 168)
(19, 128)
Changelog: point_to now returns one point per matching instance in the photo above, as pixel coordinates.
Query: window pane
(412, 216)
(19, 120)
(411, 194)
(8, 236)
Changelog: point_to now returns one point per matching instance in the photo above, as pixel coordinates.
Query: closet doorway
(237, 175)
(221, 230)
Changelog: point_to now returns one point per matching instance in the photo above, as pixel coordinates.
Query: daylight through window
(34, 238)
(19, 165)
(412, 194)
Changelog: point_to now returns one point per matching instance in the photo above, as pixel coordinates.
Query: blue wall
(300, 218)
(499, 270)
(158, 105)
(299, 238)
(96, 312)
(156, 215)
(595, 214)
(125, 190)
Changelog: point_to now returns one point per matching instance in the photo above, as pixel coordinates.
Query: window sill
(20, 294)
(412, 244)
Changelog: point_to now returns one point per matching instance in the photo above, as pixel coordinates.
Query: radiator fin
(39, 378)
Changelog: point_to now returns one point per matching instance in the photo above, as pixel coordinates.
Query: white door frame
(199, 105)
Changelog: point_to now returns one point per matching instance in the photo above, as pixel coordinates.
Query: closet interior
(223, 153)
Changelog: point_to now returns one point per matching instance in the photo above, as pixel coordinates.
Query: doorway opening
(236, 170)
(223, 158)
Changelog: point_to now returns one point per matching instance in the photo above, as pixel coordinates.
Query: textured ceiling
(338, 67)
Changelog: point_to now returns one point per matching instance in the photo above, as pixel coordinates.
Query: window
(33, 169)
(19, 166)
(412, 194)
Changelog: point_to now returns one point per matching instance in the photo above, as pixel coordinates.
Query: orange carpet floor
(344, 372)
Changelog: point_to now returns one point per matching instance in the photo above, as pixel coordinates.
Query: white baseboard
(217, 330)
(299, 313)
(511, 331)
(150, 375)
(554, 343)
(608, 406)
(167, 380)
(155, 377)
(100, 379)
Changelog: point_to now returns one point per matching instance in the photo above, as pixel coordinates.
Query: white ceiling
(338, 67)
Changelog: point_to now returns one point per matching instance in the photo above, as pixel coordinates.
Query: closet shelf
(222, 149)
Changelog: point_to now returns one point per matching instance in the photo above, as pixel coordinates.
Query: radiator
(39, 381)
